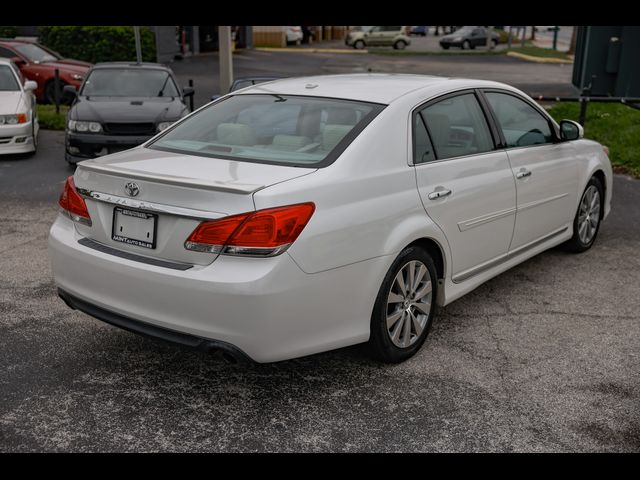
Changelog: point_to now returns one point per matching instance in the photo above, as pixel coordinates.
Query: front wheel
(405, 307)
(586, 223)
(400, 45)
(358, 45)
(466, 45)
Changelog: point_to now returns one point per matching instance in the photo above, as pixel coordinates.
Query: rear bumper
(91, 145)
(149, 330)
(268, 307)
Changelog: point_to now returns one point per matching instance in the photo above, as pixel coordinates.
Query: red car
(38, 63)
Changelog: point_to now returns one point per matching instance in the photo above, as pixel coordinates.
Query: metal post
(56, 88)
(509, 40)
(136, 34)
(584, 101)
(555, 37)
(490, 38)
(226, 62)
(524, 35)
(191, 96)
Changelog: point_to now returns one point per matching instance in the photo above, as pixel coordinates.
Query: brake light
(73, 204)
(263, 233)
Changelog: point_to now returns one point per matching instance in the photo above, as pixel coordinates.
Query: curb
(308, 50)
(530, 58)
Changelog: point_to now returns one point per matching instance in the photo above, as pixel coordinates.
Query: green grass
(540, 52)
(49, 120)
(614, 125)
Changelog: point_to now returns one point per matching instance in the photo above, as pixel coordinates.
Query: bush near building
(8, 32)
(98, 43)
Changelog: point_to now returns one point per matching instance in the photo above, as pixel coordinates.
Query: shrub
(8, 32)
(98, 43)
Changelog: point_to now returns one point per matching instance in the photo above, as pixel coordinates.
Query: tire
(446, 47)
(400, 45)
(466, 45)
(391, 342)
(359, 44)
(584, 230)
(494, 43)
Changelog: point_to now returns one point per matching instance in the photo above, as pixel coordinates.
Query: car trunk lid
(144, 198)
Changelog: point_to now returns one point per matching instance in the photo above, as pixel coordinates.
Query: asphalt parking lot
(545, 357)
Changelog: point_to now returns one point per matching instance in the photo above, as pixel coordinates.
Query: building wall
(269, 36)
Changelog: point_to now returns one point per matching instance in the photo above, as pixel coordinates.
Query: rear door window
(457, 126)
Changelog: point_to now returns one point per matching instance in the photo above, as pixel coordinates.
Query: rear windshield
(8, 82)
(277, 129)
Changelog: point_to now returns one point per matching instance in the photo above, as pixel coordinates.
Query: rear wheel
(405, 307)
(586, 223)
(445, 46)
(494, 43)
(358, 45)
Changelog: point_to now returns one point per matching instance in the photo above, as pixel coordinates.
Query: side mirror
(30, 85)
(570, 130)
(187, 91)
(70, 90)
(18, 61)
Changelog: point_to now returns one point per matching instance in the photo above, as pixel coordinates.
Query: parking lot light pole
(489, 38)
(136, 34)
(226, 62)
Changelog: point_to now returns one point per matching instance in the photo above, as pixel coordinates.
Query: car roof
(143, 65)
(367, 87)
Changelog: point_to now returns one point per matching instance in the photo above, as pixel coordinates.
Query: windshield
(129, 82)
(8, 82)
(278, 129)
(35, 53)
(464, 30)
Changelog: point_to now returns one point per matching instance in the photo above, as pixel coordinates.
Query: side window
(457, 127)
(422, 148)
(6, 53)
(522, 125)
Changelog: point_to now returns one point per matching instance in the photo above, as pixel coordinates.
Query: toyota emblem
(132, 189)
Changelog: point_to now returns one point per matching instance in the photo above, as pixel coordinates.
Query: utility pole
(555, 37)
(490, 38)
(136, 34)
(226, 62)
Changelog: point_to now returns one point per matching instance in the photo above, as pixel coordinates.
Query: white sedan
(18, 114)
(308, 214)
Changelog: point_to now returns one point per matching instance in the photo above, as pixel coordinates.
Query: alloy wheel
(589, 215)
(409, 303)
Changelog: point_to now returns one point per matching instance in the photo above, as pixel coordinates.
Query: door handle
(523, 173)
(439, 193)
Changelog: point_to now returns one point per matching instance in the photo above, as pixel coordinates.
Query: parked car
(294, 35)
(469, 38)
(244, 82)
(39, 63)
(395, 37)
(420, 30)
(18, 113)
(121, 105)
(313, 213)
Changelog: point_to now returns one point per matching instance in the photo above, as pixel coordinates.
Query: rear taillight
(264, 233)
(73, 204)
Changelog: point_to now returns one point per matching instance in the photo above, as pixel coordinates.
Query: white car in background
(307, 214)
(18, 113)
(294, 35)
